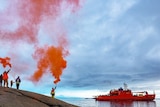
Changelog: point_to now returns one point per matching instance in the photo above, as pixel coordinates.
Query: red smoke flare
(5, 62)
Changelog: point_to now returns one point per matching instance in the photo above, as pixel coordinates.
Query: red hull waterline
(116, 95)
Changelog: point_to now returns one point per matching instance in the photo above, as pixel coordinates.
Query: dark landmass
(10, 97)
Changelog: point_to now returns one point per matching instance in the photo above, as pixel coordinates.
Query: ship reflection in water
(125, 104)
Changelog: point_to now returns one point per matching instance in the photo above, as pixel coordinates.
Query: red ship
(126, 94)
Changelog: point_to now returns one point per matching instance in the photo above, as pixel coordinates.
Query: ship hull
(125, 97)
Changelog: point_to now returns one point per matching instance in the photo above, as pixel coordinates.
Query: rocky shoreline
(10, 97)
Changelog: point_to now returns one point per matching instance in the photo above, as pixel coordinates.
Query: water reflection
(121, 104)
(125, 104)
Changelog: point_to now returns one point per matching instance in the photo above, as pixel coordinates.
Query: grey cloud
(107, 51)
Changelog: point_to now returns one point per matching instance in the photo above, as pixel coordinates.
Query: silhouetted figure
(53, 92)
(5, 78)
(1, 79)
(11, 83)
(18, 81)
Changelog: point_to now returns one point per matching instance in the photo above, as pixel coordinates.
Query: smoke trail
(5, 62)
(21, 20)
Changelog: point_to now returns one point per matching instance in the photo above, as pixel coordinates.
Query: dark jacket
(18, 80)
(1, 78)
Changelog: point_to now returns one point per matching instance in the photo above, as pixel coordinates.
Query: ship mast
(125, 86)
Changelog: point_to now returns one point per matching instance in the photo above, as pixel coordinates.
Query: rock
(10, 97)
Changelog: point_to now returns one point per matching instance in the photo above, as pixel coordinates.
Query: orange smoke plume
(23, 21)
(5, 62)
(51, 59)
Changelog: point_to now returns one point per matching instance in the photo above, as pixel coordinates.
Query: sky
(85, 47)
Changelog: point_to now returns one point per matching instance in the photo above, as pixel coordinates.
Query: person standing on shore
(11, 83)
(53, 92)
(1, 79)
(18, 81)
(5, 78)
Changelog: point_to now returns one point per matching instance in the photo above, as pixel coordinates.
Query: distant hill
(10, 97)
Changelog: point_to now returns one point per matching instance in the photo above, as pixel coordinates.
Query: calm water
(92, 103)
